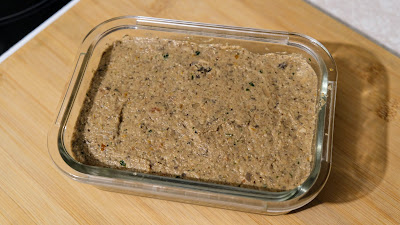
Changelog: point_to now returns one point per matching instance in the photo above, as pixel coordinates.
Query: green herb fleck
(277, 176)
(197, 53)
(290, 175)
(165, 55)
(192, 77)
(150, 131)
(247, 89)
(298, 162)
(251, 84)
(261, 71)
(122, 162)
(292, 73)
(309, 59)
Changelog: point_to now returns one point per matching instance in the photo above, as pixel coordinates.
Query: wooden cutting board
(364, 184)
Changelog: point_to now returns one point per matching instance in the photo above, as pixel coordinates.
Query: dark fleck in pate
(209, 112)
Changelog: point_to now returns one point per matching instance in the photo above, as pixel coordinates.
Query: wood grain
(364, 184)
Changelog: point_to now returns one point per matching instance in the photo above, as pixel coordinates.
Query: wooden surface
(364, 183)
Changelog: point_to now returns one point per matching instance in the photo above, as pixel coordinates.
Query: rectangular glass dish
(217, 195)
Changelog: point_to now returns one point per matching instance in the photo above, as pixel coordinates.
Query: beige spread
(208, 112)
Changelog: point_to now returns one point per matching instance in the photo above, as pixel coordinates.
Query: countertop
(377, 20)
(364, 183)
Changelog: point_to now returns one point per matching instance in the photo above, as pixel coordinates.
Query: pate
(209, 112)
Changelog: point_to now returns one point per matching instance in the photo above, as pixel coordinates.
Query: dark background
(19, 17)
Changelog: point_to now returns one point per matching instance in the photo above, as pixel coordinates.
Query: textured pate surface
(209, 112)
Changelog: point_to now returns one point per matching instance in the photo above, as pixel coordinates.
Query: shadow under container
(216, 195)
